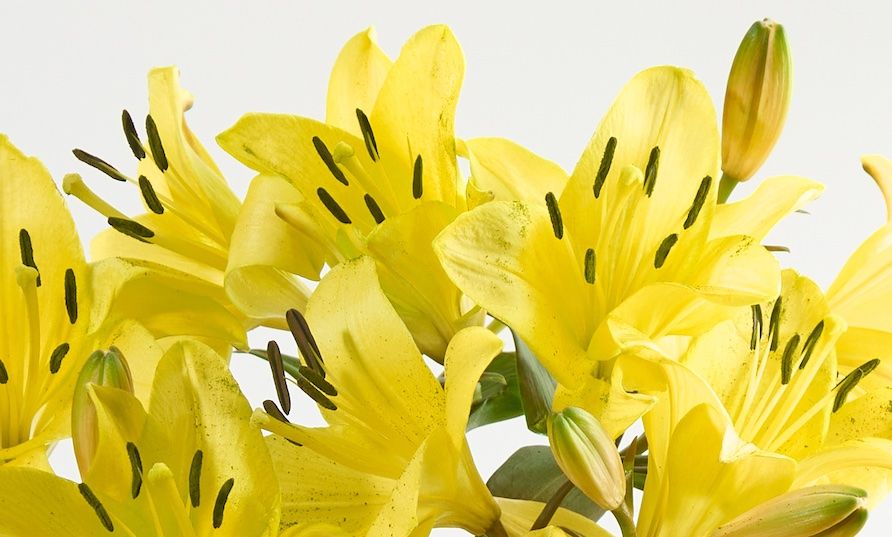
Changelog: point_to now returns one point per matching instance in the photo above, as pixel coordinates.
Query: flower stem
(497, 530)
(495, 326)
(726, 186)
(623, 517)
(552, 506)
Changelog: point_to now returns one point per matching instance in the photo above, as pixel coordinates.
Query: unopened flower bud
(587, 456)
(102, 368)
(825, 510)
(756, 99)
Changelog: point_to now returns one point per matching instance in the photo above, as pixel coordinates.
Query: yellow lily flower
(190, 465)
(378, 178)
(393, 459)
(628, 255)
(191, 211)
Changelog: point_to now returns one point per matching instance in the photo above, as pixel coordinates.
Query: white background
(539, 74)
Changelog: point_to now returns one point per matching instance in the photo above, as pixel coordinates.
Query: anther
(158, 154)
(94, 502)
(332, 206)
(774, 323)
(148, 194)
(650, 172)
(810, 343)
(195, 478)
(374, 209)
(220, 504)
(57, 356)
(317, 380)
(787, 359)
(604, 168)
(757, 326)
(299, 328)
(4, 374)
(326, 157)
(71, 295)
(28, 252)
(367, 134)
(270, 407)
(99, 164)
(131, 228)
(590, 266)
(131, 135)
(417, 183)
(557, 223)
(663, 250)
(274, 357)
(851, 380)
(135, 469)
(314, 394)
(699, 199)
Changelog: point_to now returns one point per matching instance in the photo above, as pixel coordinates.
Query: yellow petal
(415, 112)
(847, 456)
(512, 172)
(858, 345)
(356, 78)
(880, 169)
(736, 271)
(33, 502)
(755, 215)
(665, 107)
(468, 355)
(866, 416)
(519, 515)
(506, 258)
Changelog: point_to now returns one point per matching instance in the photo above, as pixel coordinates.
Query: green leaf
(499, 396)
(532, 474)
(536, 387)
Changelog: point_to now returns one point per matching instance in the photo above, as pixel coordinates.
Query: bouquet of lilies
(629, 311)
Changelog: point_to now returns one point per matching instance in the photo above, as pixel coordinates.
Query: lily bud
(825, 510)
(756, 99)
(587, 456)
(102, 368)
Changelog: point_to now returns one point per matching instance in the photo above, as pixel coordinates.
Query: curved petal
(415, 112)
(468, 355)
(862, 291)
(356, 79)
(511, 172)
(736, 271)
(519, 515)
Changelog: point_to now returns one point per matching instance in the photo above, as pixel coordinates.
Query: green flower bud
(587, 456)
(756, 99)
(821, 510)
(103, 369)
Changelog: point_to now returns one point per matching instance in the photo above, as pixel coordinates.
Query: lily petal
(519, 515)
(356, 78)
(510, 171)
(468, 355)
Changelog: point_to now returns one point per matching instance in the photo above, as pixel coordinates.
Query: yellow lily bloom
(190, 465)
(393, 459)
(378, 178)
(629, 253)
(191, 211)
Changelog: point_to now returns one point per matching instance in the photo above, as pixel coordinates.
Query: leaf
(536, 387)
(532, 474)
(499, 401)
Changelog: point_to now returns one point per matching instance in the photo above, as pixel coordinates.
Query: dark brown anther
(71, 295)
(699, 199)
(149, 195)
(650, 171)
(554, 212)
(663, 250)
(99, 164)
(158, 154)
(374, 209)
(299, 328)
(332, 206)
(132, 136)
(220, 504)
(27, 251)
(604, 168)
(367, 134)
(328, 160)
(417, 183)
(274, 357)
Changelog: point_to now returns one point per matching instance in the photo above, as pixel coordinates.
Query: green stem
(726, 186)
(624, 518)
(497, 530)
(552, 506)
(496, 326)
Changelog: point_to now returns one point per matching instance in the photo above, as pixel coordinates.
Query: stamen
(314, 394)
(135, 469)
(787, 359)
(590, 266)
(274, 357)
(28, 252)
(367, 134)
(94, 502)
(757, 326)
(332, 206)
(299, 328)
(663, 250)
(604, 168)
(132, 136)
(148, 194)
(774, 323)
(557, 223)
(374, 209)
(271, 409)
(57, 356)
(131, 228)
(326, 157)
(71, 295)
(851, 380)
(158, 154)
(100, 165)
(650, 172)
(810, 343)
(195, 478)
(73, 185)
(4, 374)
(220, 504)
(417, 184)
(699, 199)
(326, 387)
